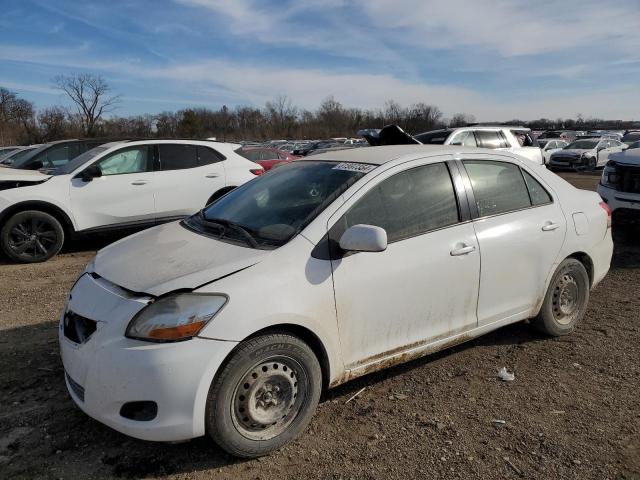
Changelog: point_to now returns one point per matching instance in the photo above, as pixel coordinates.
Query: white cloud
(510, 27)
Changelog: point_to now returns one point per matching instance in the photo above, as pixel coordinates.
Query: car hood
(16, 174)
(574, 152)
(169, 257)
(628, 157)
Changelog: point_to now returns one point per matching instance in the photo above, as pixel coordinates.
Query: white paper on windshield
(354, 167)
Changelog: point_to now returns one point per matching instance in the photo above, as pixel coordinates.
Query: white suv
(518, 140)
(113, 186)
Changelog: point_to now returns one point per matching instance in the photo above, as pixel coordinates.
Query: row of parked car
(69, 188)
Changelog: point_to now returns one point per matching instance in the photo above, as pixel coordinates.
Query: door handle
(139, 182)
(462, 250)
(211, 175)
(550, 226)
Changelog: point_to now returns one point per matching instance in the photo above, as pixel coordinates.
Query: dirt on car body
(571, 412)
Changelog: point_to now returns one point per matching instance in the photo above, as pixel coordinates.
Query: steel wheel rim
(269, 397)
(33, 238)
(566, 299)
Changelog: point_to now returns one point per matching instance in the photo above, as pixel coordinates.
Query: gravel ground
(572, 411)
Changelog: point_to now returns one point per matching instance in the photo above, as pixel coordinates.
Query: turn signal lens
(257, 171)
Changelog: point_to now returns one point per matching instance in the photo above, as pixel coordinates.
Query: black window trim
(459, 192)
(475, 214)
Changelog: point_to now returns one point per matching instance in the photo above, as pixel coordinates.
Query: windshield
(550, 135)
(582, 144)
(15, 157)
(28, 156)
(80, 160)
(270, 210)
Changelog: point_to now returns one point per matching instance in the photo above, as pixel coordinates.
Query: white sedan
(231, 322)
(114, 186)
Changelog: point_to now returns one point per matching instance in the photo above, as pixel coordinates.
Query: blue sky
(496, 59)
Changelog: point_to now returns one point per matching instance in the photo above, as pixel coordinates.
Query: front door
(520, 229)
(122, 195)
(424, 287)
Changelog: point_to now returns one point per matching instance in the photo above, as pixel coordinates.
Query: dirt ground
(573, 410)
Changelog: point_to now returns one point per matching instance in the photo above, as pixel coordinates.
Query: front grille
(77, 389)
(77, 328)
(565, 159)
(629, 179)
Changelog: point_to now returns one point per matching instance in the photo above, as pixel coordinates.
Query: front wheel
(265, 395)
(31, 236)
(566, 300)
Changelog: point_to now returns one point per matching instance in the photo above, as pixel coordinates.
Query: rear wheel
(31, 236)
(264, 396)
(566, 300)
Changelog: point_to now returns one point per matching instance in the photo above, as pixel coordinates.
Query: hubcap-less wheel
(269, 397)
(33, 237)
(566, 299)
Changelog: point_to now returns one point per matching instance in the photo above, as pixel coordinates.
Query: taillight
(257, 171)
(607, 209)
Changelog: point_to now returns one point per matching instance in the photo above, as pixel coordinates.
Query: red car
(266, 157)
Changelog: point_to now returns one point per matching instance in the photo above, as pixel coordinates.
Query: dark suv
(55, 154)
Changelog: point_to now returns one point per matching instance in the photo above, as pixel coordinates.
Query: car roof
(387, 153)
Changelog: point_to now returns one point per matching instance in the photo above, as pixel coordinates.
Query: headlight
(609, 176)
(176, 317)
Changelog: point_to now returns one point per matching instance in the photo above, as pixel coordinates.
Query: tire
(566, 299)
(264, 396)
(593, 164)
(31, 236)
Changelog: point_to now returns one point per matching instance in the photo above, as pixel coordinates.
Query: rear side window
(407, 204)
(253, 155)
(177, 156)
(207, 156)
(490, 139)
(498, 187)
(538, 194)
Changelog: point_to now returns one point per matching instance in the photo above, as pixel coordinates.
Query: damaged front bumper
(150, 391)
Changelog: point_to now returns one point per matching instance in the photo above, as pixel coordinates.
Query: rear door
(188, 176)
(520, 228)
(122, 195)
(424, 286)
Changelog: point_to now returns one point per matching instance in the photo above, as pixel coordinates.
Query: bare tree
(90, 93)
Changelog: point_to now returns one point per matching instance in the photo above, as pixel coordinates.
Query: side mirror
(364, 238)
(91, 172)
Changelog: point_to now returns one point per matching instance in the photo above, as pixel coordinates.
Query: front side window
(177, 156)
(498, 187)
(407, 204)
(60, 155)
(128, 160)
(466, 139)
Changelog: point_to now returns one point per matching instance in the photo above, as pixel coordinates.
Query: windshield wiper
(232, 225)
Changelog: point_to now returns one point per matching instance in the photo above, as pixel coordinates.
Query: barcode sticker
(354, 167)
